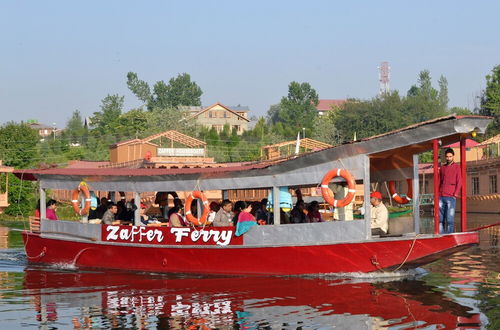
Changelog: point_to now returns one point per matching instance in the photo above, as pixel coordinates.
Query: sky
(61, 56)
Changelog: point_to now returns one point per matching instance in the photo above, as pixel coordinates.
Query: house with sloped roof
(326, 105)
(217, 115)
(42, 129)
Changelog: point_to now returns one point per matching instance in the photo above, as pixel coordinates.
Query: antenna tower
(384, 77)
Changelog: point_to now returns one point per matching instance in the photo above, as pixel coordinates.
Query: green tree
(163, 119)
(325, 129)
(298, 108)
(490, 101)
(139, 87)
(18, 148)
(133, 123)
(424, 102)
(22, 197)
(181, 91)
(106, 121)
(367, 118)
(460, 111)
(74, 128)
(443, 94)
(18, 145)
(273, 114)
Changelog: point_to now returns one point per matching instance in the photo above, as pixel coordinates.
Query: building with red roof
(325, 105)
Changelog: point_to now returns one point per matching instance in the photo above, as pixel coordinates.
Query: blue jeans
(447, 214)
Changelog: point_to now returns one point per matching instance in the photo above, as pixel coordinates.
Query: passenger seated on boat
(297, 215)
(245, 219)
(238, 206)
(175, 218)
(313, 214)
(255, 206)
(109, 216)
(214, 208)
(122, 211)
(102, 208)
(161, 199)
(379, 214)
(144, 216)
(50, 212)
(223, 217)
(262, 213)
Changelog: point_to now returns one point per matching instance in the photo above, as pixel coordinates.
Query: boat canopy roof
(390, 157)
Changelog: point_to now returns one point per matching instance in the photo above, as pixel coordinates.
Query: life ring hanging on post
(82, 188)
(191, 218)
(326, 192)
(398, 199)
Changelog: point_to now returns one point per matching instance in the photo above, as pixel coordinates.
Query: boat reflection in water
(118, 299)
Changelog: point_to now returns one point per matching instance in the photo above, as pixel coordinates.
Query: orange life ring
(327, 193)
(398, 199)
(82, 188)
(191, 218)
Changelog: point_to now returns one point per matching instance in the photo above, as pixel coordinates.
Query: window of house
(493, 184)
(226, 115)
(475, 185)
(210, 114)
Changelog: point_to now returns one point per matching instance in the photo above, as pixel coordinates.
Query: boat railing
(34, 224)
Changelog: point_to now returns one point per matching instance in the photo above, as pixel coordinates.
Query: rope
(197, 185)
(44, 250)
(375, 262)
(79, 254)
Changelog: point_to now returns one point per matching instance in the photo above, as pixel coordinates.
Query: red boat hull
(363, 257)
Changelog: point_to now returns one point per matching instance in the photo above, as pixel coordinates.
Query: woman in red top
(50, 212)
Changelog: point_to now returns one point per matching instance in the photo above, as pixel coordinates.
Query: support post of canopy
(435, 149)
(276, 205)
(366, 202)
(43, 205)
(416, 195)
(463, 193)
(137, 212)
(225, 194)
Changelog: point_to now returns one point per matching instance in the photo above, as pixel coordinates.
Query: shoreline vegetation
(162, 109)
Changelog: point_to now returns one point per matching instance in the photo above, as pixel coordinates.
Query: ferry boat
(278, 249)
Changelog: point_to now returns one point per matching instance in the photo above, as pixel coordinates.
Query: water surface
(458, 291)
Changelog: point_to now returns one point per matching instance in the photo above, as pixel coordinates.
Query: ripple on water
(12, 260)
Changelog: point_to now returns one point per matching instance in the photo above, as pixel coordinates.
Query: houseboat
(278, 249)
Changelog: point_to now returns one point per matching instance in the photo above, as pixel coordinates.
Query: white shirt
(380, 217)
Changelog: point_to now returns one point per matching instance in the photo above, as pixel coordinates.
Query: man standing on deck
(450, 183)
